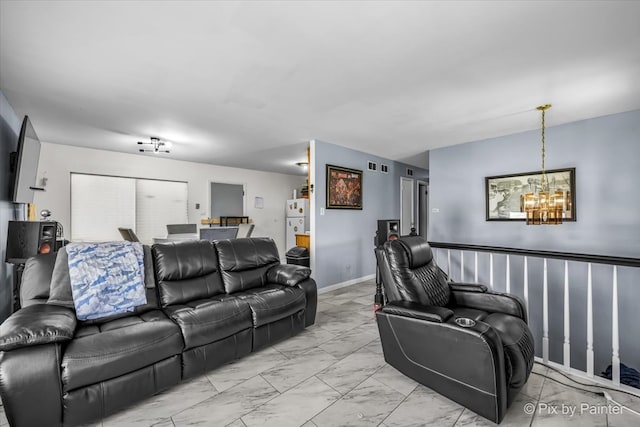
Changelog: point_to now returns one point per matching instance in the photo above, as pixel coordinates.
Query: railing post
(567, 326)
(589, 321)
(587, 259)
(508, 276)
(545, 315)
(615, 344)
(475, 265)
(526, 286)
(491, 269)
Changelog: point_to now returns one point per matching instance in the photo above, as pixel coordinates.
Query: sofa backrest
(244, 262)
(36, 279)
(186, 271)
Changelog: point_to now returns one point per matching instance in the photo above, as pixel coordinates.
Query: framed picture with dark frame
(505, 193)
(344, 188)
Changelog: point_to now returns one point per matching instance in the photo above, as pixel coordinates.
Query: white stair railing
(568, 304)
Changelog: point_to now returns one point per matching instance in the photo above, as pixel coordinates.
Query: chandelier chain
(543, 183)
(543, 180)
(543, 206)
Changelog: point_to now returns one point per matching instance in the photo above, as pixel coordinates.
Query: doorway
(226, 199)
(423, 208)
(407, 221)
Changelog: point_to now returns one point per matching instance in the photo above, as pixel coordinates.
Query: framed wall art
(505, 193)
(344, 188)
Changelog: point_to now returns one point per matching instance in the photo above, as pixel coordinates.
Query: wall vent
(372, 166)
(409, 172)
(384, 168)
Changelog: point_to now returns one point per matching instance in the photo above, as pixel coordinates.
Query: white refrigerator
(297, 212)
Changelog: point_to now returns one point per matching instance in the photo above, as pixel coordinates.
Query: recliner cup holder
(465, 322)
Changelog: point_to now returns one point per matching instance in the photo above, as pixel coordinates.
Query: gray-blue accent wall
(9, 130)
(344, 238)
(606, 154)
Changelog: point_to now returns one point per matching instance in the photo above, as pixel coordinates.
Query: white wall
(58, 161)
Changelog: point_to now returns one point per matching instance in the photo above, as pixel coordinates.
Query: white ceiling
(249, 83)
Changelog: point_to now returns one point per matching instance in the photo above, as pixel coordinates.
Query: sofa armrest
(467, 287)
(31, 386)
(311, 293)
(37, 324)
(492, 302)
(431, 313)
(288, 274)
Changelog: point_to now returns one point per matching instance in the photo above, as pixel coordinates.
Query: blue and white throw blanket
(106, 278)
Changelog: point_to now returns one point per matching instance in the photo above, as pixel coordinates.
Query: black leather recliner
(459, 339)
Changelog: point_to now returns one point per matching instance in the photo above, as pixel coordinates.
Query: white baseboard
(330, 288)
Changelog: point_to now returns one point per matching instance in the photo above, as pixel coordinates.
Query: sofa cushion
(244, 262)
(208, 320)
(186, 271)
(273, 302)
(102, 352)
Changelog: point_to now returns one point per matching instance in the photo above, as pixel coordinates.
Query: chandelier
(543, 206)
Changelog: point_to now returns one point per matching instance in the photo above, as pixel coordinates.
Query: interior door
(407, 204)
(226, 200)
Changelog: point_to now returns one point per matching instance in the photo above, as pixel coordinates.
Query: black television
(24, 164)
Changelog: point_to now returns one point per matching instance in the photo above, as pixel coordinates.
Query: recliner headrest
(416, 249)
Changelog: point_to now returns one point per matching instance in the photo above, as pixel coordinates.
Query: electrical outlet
(321, 211)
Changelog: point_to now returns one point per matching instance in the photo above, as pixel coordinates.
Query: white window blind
(159, 203)
(101, 204)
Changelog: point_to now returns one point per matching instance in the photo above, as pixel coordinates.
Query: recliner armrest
(431, 313)
(288, 274)
(37, 324)
(492, 302)
(467, 287)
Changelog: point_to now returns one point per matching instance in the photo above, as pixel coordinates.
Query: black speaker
(29, 238)
(387, 229)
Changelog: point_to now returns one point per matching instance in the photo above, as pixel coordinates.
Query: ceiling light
(545, 205)
(157, 146)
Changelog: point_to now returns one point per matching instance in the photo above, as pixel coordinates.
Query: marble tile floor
(334, 374)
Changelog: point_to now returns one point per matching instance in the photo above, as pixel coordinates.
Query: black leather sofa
(207, 303)
(459, 339)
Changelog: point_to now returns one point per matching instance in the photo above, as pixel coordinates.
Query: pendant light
(544, 206)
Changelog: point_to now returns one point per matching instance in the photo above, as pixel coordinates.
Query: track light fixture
(157, 146)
